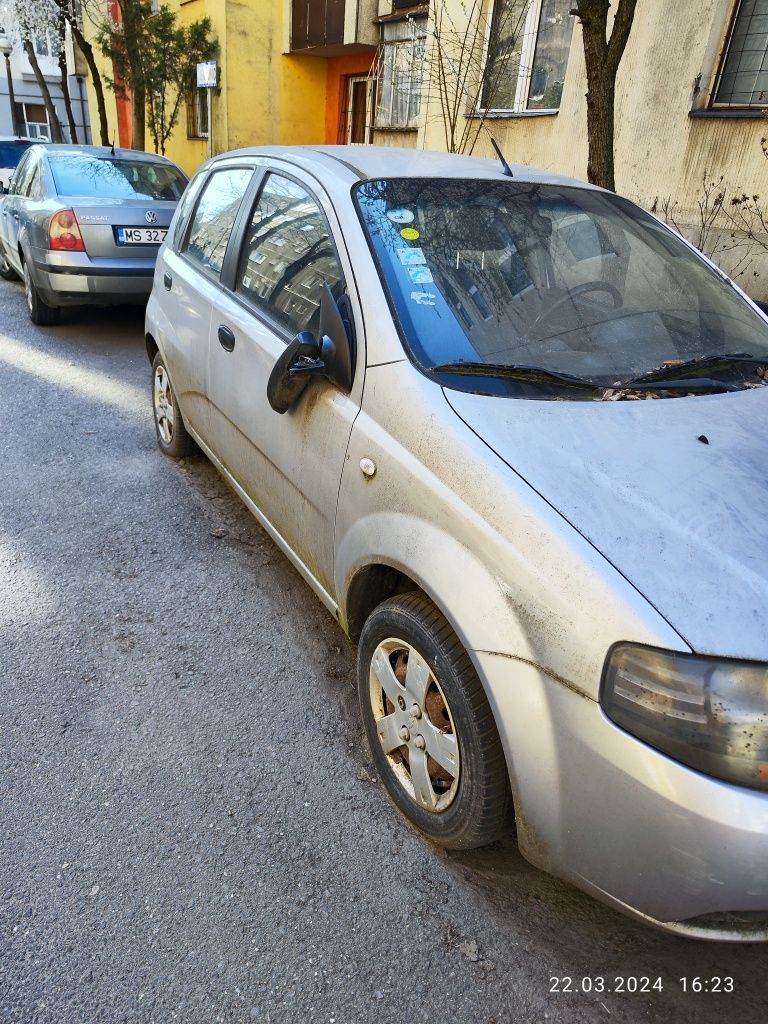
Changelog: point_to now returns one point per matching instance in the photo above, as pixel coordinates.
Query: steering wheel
(579, 289)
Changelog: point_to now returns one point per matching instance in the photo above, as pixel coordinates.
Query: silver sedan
(83, 225)
(512, 431)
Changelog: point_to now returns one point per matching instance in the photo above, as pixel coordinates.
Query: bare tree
(468, 64)
(602, 55)
(32, 21)
(71, 11)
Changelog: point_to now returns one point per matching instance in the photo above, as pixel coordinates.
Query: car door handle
(227, 338)
(167, 281)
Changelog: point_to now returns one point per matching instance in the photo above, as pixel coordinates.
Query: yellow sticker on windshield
(410, 234)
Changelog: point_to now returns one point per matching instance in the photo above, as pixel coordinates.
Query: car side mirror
(332, 356)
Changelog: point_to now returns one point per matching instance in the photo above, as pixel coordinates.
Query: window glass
(566, 279)
(400, 73)
(288, 255)
(215, 216)
(24, 172)
(34, 187)
(113, 178)
(528, 47)
(744, 75)
(186, 204)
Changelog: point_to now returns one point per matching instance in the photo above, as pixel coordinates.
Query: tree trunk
(132, 15)
(138, 118)
(62, 42)
(53, 117)
(602, 57)
(98, 86)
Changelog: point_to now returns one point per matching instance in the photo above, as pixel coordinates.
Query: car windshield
(567, 280)
(12, 152)
(107, 178)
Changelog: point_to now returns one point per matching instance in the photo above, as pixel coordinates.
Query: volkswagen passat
(83, 225)
(512, 431)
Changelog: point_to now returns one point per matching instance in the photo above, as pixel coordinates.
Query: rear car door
(13, 206)
(187, 283)
(289, 465)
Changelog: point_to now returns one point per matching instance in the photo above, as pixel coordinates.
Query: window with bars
(528, 46)
(197, 113)
(400, 73)
(743, 78)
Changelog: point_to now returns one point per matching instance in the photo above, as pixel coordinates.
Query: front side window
(113, 178)
(288, 256)
(743, 79)
(528, 46)
(214, 217)
(401, 70)
(564, 279)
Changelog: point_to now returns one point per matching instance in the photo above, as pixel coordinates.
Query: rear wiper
(676, 371)
(528, 374)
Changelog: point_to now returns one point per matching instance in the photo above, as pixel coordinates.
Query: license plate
(141, 236)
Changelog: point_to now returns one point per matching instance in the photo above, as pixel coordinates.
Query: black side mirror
(333, 356)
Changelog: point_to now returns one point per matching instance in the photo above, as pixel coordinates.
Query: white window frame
(35, 129)
(527, 54)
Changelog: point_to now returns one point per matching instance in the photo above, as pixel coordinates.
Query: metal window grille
(743, 78)
(197, 114)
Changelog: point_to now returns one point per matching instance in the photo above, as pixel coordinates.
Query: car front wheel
(429, 725)
(40, 312)
(172, 436)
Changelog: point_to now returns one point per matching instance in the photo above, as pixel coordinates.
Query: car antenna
(506, 169)
(113, 145)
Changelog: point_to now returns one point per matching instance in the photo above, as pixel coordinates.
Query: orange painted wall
(335, 90)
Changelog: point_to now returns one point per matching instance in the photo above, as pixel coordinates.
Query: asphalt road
(190, 825)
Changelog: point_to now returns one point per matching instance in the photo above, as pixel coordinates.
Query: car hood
(685, 521)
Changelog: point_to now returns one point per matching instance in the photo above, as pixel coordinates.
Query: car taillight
(64, 232)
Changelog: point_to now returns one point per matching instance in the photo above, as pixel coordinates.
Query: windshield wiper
(527, 374)
(676, 371)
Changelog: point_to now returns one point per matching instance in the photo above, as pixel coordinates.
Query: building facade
(27, 115)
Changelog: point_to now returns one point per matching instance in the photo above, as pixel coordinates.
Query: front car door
(289, 465)
(189, 269)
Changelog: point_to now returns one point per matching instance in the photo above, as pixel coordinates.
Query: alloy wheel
(414, 725)
(163, 403)
(28, 288)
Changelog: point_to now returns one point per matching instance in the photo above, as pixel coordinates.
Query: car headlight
(708, 713)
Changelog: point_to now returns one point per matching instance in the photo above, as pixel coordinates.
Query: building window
(32, 120)
(743, 79)
(400, 72)
(528, 46)
(197, 113)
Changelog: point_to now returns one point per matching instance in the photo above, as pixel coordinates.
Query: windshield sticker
(421, 275)
(423, 298)
(400, 216)
(410, 234)
(412, 257)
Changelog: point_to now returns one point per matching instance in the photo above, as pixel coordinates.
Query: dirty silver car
(512, 431)
(82, 225)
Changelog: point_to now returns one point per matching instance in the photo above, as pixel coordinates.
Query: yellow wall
(266, 97)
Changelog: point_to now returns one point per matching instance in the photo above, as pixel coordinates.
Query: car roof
(106, 151)
(364, 161)
(26, 139)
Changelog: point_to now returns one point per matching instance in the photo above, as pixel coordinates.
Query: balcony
(330, 28)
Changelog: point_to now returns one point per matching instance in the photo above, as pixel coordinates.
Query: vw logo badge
(150, 217)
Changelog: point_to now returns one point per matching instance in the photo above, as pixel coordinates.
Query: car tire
(438, 707)
(171, 433)
(40, 312)
(6, 270)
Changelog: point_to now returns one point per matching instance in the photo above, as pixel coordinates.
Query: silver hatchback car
(512, 431)
(82, 225)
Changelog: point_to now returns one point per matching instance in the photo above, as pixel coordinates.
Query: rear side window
(287, 256)
(214, 217)
(113, 178)
(186, 204)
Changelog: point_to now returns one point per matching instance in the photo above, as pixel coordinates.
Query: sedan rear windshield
(12, 152)
(107, 178)
(568, 280)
